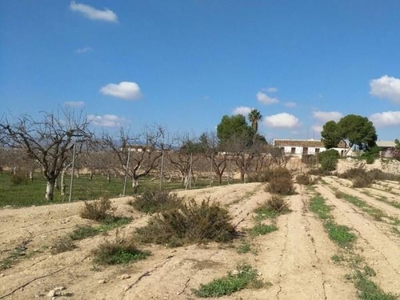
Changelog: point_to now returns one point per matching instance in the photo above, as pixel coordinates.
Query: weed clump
(244, 277)
(19, 178)
(359, 177)
(272, 208)
(156, 201)
(63, 245)
(192, 223)
(262, 229)
(304, 179)
(97, 210)
(118, 252)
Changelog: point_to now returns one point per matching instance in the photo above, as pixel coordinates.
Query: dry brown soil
(295, 259)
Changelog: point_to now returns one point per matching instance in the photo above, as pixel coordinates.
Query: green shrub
(268, 174)
(245, 277)
(156, 201)
(118, 252)
(192, 223)
(281, 185)
(328, 159)
(19, 178)
(63, 245)
(97, 210)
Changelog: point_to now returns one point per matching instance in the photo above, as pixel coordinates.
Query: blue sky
(183, 64)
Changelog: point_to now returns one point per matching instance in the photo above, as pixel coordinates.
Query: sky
(184, 64)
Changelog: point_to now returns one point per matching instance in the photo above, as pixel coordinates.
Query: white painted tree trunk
(135, 183)
(62, 182)
(50, 190)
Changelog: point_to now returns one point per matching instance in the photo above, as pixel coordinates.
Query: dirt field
(296, 259)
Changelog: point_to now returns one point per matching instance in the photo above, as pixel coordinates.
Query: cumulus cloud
(282, 120)
(386, 88)
(388, 118)
(106, 120)
(290, 104)
(242, 110)
(265, 99)
(93, 13)
(84, 50)
(325, 116)
(124, 90)
(75, 103)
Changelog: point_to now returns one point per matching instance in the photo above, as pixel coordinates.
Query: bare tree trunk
(50, 190)
(31, 175)
(62, 182)
(108, 177)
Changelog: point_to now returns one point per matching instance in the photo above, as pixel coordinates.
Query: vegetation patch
(376, 213)
(359, 177)
(369, 290)
(318, 206)
(262, 229)
(272, 208)
(192, 223)
(63, 245)
(304, 179)
(156, 201)
(244, 277)
(118, 252)
(97, 210)
(17, 253)
(340, 234)
(281, 185)
(243, 248)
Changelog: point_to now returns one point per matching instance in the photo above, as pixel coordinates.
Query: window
(305, 150)
(316, 150)
(293, 150)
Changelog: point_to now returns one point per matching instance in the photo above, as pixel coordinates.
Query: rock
(235, 272)
(51, 294)
(102, 281)
(125, 276)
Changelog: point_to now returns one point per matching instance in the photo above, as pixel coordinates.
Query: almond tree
(48, 141)
(136, 155)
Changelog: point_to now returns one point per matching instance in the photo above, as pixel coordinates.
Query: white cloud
(75, 103)
(106, 120)
(317, 128)
(94, 13)
(270, 89)
(388, 118)
(124, 90)
(386, 87)
(84, 50)
(265, 99)
(290, 104)
(325, 116)
(282, 120)
(242, 110)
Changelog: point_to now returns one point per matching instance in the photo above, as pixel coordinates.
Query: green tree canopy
(354, 129)
(231, 126)
(331, 136)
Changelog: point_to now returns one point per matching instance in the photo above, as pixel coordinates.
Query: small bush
(63, 245)
(118, 252)
(193, 223)
(304, 179)
(359, 177)
(245, 277)
(340, 234)
(156, 201)
(328, 159)
(281, 185)
(19, 178)
(272, 208)
(97, 210)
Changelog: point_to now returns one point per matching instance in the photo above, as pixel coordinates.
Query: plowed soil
(296, 259)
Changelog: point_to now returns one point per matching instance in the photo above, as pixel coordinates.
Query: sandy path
(379, 250)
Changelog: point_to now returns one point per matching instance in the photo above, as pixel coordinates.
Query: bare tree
(48, 141)
(219, 160)
(137, 155)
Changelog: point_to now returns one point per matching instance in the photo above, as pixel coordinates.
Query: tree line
(52, 143)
